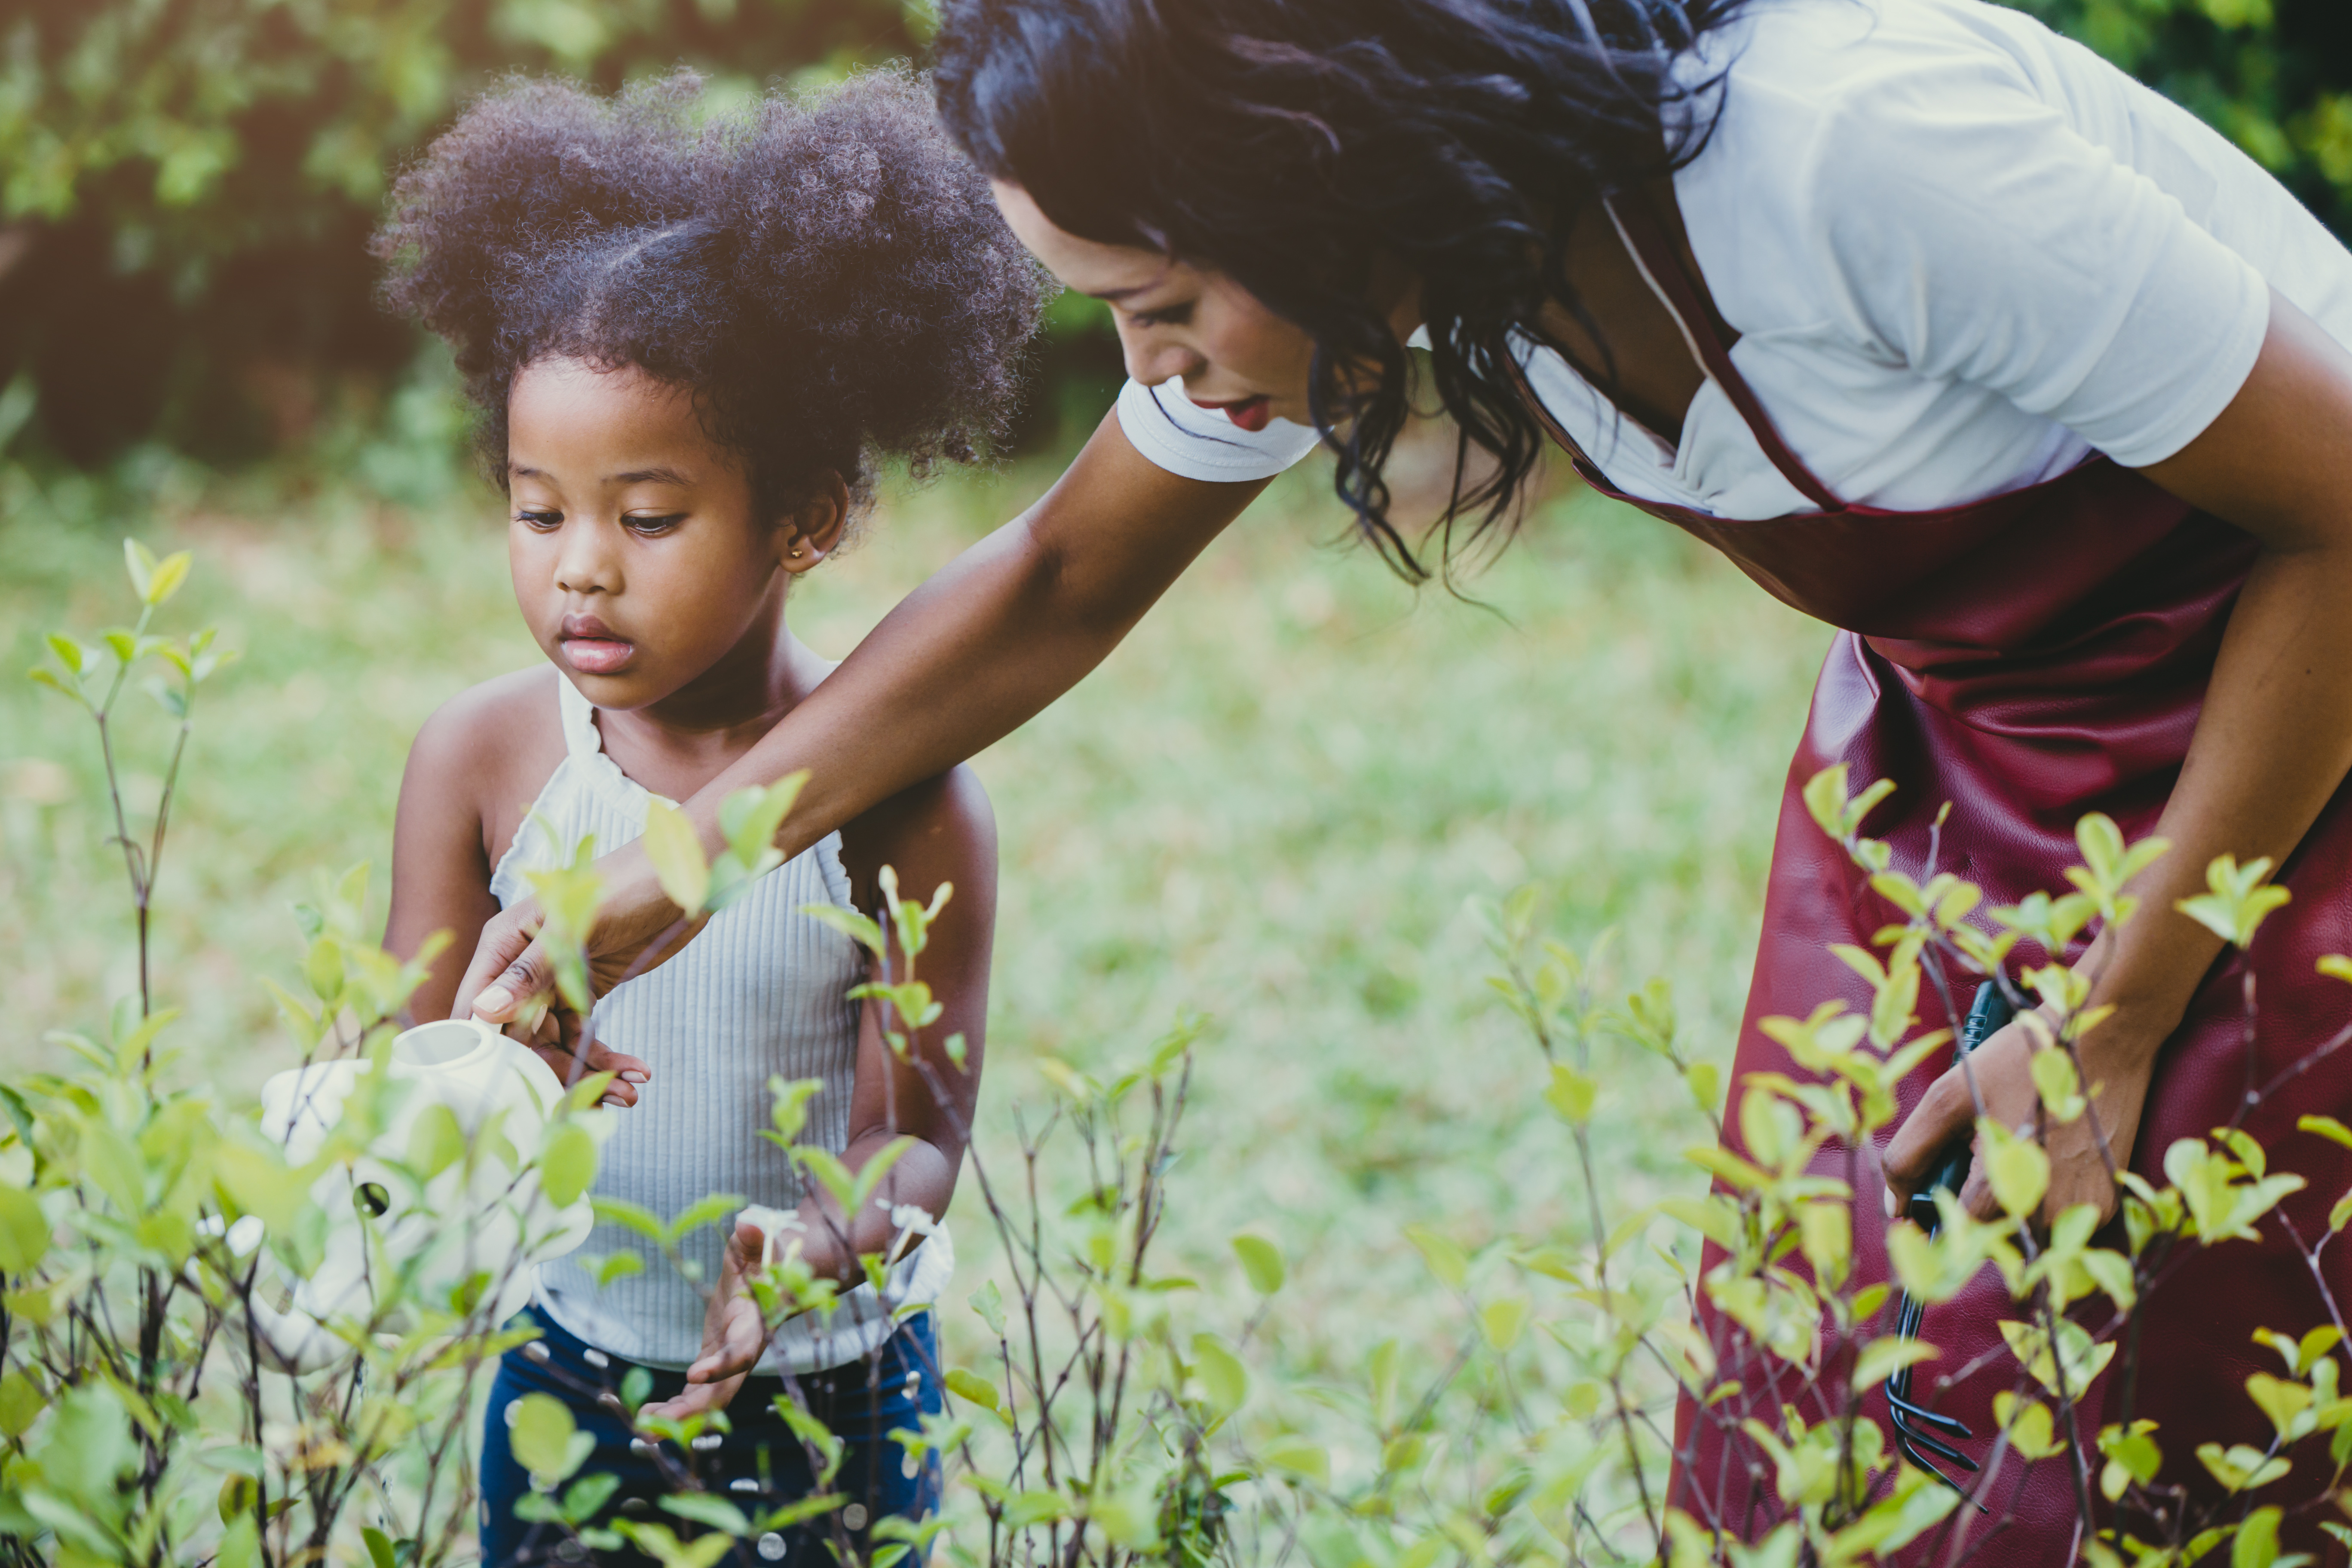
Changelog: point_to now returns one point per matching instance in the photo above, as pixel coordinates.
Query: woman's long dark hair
(1295, 144)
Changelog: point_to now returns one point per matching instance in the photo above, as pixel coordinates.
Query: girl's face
(1175, 320)
(640, 560)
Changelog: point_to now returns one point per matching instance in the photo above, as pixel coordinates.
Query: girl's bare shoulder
(487, 752)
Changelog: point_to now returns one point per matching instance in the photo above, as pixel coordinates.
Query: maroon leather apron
(2028, 659)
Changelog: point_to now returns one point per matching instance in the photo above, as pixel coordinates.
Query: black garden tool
(1915, 1426)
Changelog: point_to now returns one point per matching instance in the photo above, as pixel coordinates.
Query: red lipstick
(1249, 414)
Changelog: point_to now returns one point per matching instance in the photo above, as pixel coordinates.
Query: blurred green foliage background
(185, 185)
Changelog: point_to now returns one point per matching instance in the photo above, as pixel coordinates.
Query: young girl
(690, 333)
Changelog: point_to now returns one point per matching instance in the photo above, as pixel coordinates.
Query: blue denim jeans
(759, 1465)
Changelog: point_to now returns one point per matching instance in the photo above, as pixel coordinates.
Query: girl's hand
(562, 1055)
(2118, 1058)
(733, 1337)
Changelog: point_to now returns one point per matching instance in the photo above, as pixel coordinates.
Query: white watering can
(472, 1218)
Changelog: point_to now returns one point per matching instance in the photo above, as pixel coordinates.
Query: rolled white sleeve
(1199, 443)
(1976, 235)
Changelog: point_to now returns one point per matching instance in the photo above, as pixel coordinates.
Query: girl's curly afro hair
(827, 273)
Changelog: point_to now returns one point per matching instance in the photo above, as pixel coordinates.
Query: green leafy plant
(1555, 1446)
(150, 1239)
(1089, 1441)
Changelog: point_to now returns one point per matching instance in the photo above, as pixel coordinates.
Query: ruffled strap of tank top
(581, 737)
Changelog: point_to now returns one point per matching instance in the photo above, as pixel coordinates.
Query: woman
(1940, 326)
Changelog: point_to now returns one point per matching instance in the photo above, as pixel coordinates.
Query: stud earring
(799, 549)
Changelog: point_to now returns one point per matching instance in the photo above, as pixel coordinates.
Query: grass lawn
(1269, 807)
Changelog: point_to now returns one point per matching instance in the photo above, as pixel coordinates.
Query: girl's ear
(811, 531)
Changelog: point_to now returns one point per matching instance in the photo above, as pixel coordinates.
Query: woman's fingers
(506, 938)
(527, 977)
(1942, 1113)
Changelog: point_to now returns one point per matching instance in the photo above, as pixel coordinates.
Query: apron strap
(1661, 263)
(1586, 469)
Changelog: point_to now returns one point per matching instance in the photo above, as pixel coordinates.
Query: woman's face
(1178, 320)
(640, 560)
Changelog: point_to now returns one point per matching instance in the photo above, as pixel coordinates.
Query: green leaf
(1825, 799)
(2059, 1085)
(1571, 1094)
(661, 1543)
(1502, 1321)
(800, 1510)
(568, 1164)
(1298, 1456)
(170, 573)
(709, 1210)
(860, 929)
(703, 1507)
(750, 818)
(989, 1302)
(790, 1112)
(2257, 1542)
(21, 1404)
(1445, 1261)
(630, 1216)
(240, 1544)
(379, 1546)
(109, 1160)
(24, 1231)
(436, 1141)
(676, 855)
(1261, 1262)
(2016, 1167)
(2238, 900)
(971, 1386)
(2327, 1126)
(870, 1175)
(1222, 1376)
(139, 562)
(323, 970)
(588, 1493)
(540, 1437)
(2080, 1358)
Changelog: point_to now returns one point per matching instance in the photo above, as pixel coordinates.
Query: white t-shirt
(1961, 252)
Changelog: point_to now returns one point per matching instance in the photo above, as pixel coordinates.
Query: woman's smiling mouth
(592, 647)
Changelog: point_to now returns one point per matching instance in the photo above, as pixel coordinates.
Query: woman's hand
(733, 1336)
(2118, 1058)
(532, 1016)
(512, 975)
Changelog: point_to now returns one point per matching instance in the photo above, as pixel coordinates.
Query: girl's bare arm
(497, 742)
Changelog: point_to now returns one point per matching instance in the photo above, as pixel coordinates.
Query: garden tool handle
(1986, 1013)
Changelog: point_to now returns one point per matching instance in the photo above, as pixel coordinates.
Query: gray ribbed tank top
(757, 993)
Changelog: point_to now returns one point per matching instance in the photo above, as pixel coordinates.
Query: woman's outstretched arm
(1002, 630)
